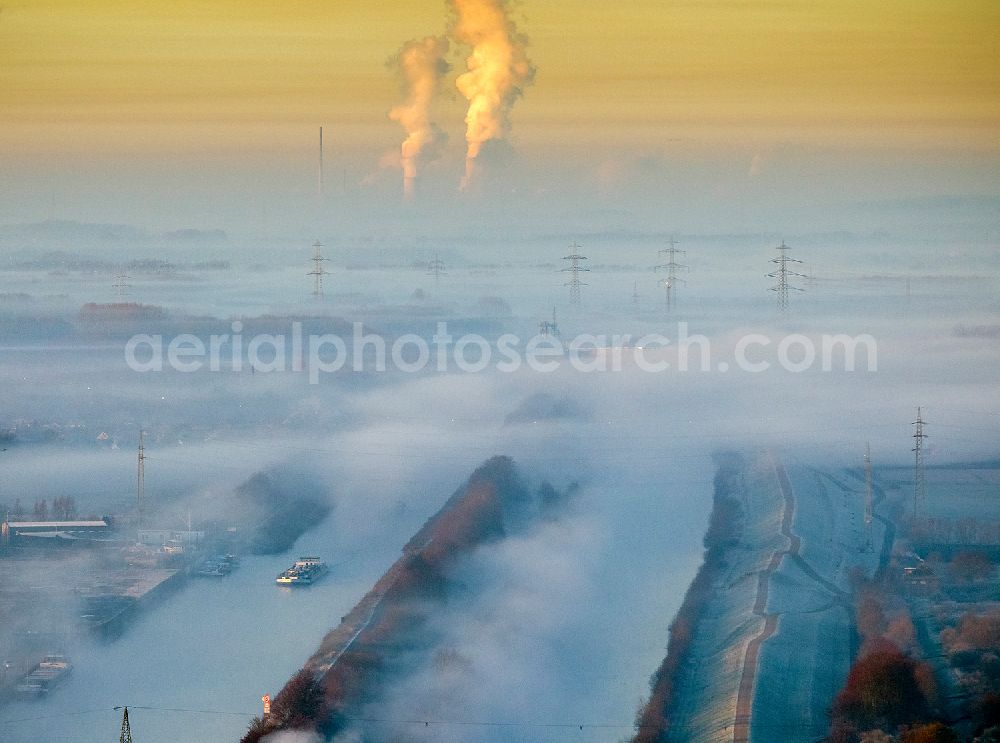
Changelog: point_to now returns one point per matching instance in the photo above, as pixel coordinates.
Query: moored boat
(305, 571)
(48, 674)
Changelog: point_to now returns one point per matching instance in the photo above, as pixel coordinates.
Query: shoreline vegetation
(724, 528)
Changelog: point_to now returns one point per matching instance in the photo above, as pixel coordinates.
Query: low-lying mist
(569, 619)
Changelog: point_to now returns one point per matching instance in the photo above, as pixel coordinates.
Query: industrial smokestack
(498, 69)
(319, 183)
(421, 67)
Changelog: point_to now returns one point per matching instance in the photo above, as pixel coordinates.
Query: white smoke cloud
(421, 67)
(498, 69)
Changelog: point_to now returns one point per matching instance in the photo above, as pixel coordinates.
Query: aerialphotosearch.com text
(318, 354)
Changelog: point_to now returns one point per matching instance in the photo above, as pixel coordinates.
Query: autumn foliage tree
(298, 706)
(883, 690)
(934, 732)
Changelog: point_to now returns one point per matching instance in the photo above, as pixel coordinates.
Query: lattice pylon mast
(126, 736)
(318, 271)
(121, 288)
(869, 499)
(549, 328)
(671, 266)
(919, 481)
(782, 275)
(140, 482)
(575, 269)
(436, 268)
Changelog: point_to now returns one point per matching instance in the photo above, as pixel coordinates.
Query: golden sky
(116, 75)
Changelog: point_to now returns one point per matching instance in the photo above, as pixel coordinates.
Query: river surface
(215, 644)
(193, 667)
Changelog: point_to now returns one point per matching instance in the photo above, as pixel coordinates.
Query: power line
(623, 438)
(56, 715)
(425, 722)
(188, 710)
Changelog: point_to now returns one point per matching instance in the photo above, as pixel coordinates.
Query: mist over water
(161, 181)
(568, 620)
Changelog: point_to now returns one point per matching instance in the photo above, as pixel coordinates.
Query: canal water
(205, 654)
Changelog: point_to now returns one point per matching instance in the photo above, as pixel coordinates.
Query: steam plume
(421, 67)
(498, 68)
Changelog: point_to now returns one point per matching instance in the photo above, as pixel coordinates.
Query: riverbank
(359, 656)
(765, 637)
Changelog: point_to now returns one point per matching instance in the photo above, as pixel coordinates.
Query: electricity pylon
(126, 736)
(670, 267)
(121, 288)
(575, 269)
(140, 483)
(782, 287)
(549, 328)
(436, 268)
(919, 482)
(318, 271)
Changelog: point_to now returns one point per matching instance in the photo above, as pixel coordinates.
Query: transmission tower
(141, 477)
(436, 268)
(919, 482)
(869, 502)
(635, 294)
(670, 254)
(782, 274)
(318, 271)
(575, 269)
(549, 328)
(126, 736)
(121, 288)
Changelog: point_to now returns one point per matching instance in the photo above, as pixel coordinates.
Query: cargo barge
(305, 572)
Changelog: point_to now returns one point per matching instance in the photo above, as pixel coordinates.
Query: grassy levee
(356, 658)
(653, 720)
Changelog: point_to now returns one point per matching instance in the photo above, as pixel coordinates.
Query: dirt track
(744, 699)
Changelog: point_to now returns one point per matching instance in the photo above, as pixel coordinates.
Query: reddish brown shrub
(882, 690)
(980, 630)
(870, 614)
(935, 732)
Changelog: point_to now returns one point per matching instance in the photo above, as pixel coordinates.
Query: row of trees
(891, 694)
(973, 648)
(63, 508)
